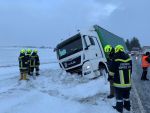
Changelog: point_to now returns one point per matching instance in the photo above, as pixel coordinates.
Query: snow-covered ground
(9, 56)
(53, 91)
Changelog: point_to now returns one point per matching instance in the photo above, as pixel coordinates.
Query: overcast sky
(46, 22)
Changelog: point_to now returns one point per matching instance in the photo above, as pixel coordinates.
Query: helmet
(108, 48)
(147, 53)
(29, 50)
(119, 48)
(22, 51)
(35, 50)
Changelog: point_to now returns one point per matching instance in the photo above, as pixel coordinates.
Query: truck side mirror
(88, 42)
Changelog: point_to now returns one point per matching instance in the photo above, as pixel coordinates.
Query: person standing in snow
(28, 55)
(110, 50)
(145, 65)
(121, 69)
(23, 65)
(34, 62)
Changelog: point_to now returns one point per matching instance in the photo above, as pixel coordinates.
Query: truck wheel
(103, 72)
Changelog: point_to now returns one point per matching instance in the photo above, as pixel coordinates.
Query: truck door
(97, 48)
(93, 51)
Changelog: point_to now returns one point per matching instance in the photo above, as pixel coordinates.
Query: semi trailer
(84, 53)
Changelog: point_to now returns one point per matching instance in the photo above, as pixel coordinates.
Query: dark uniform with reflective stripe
(120, 70)
(28, 55)
(109, 60)
(111, 55)
(23, 65)
(23, 62)
(34, 63)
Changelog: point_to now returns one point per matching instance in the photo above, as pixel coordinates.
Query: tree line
(133, 43)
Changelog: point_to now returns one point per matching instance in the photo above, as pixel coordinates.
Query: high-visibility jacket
(120, 70)
(23, 61)
(144, 61)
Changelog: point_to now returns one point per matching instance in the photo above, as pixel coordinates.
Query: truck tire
(103, 71)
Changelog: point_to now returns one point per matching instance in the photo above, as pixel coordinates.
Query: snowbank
(52, 92)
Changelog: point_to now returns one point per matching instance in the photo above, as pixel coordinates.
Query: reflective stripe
(121, 77)
(30, 62)
(122, 85)
(21, 56)
(122, 60)
(111, 73)
(126, 99)
(21, 65)
(122, 81)
(34, 63)
(129, 76)
(119, 100)
(23, 68)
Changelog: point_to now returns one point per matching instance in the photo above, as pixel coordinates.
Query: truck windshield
(69, 47)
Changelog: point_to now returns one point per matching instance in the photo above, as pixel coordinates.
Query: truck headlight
(87, 68)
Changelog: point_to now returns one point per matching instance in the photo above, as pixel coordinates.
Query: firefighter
(110, 50)
(28, 54)
(23, 65)
(120, 72)
(145, 65)
(35, 62)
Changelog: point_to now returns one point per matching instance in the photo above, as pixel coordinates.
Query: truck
(84, 53)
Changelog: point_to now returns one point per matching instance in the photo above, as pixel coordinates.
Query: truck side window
(92, 41)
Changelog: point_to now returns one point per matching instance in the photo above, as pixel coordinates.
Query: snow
(9, 56)
(86, 90)
(54, 91)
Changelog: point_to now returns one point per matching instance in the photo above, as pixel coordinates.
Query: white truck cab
(82, 54)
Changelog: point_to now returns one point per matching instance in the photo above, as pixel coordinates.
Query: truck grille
(72, 62)
(77, 70)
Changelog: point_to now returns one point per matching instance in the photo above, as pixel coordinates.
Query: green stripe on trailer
(107, 37)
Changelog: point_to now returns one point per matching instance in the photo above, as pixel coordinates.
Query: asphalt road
(140, 94)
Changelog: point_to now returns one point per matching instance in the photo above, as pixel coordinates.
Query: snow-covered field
(9, 56)
(53, 91)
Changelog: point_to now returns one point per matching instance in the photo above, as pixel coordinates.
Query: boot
(147, 79)
(119, 107)
(127, 105)
(31, 73)
(21, 76)
(37, 73)
(24, 76)
(110, 96)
